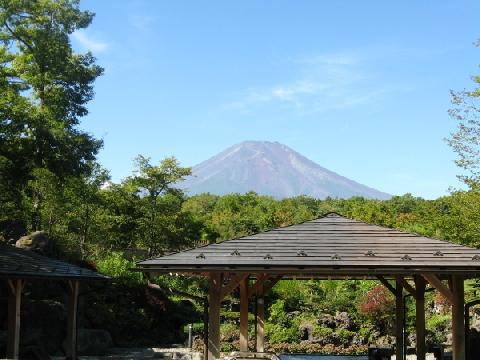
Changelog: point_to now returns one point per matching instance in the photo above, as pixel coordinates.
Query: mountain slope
(270, 168)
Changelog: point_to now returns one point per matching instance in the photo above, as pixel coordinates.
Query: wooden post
(458, 321)
(72, 309)
(214, 300)
(399, 319)
(14, 305)
(420, 316)
(260, 340)
(244, 315)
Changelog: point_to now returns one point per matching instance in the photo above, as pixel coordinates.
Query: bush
(322, 332)
(117, 267)
(229, 332)
(345, 336)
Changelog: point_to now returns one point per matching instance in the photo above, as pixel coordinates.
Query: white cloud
(324, 82)
(87, 42)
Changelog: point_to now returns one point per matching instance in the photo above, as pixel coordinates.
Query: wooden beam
(252, 290)
(214, 301)
(399, 319)
(72, 310)
(420, 316)
(260, 321)
(458, 320)
(14, 307)
(233, 284)
(271, 283)
(440, 287)
(387, 284)
(244, 315)
(407, 286)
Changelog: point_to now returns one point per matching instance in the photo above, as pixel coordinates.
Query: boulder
(306, 332)
(344, 321)
(46, 321)
(93, 341)
(37, 241)
(386, 340)
(327, 320)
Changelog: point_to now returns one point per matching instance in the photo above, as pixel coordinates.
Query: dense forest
(50, 181)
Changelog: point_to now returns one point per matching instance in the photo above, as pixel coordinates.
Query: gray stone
(306, 332)
(344, 321)
(36, 241)
(327, 320)
(93, 341)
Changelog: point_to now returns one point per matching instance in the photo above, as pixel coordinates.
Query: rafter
(232, 284)
(387, 284)
(442, 289)
(407, 286)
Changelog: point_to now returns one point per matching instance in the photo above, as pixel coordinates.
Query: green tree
(45, 87)
(465, 141)
(162, 224)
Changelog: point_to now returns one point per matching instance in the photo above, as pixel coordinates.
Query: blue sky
(360, 87)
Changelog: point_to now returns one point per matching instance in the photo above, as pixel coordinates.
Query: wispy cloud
(324, 82)
(88, 42)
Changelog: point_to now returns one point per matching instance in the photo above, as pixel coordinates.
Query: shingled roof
(18, 263)
(329, 245)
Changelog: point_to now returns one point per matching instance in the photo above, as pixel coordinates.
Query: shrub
(116, 266)
(345, 336)
(322, 332)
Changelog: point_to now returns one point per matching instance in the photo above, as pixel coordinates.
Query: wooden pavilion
(18, 266)
(331, 247)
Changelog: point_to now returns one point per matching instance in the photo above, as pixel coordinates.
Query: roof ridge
(240, 237)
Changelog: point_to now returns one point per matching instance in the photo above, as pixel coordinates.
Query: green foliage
(465, 141)
(119, 268)
(345, 336)
(45, 87)
(322, 332)
(281, 328)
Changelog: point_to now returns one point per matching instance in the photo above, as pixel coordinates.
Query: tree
(465, 141)
(160, 202)
(44, 88)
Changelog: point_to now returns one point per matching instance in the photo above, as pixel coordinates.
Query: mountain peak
(271, 168)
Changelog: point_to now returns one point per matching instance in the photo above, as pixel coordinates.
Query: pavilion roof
(18, 263)
(330, 245)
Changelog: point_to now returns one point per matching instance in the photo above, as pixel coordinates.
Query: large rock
(327, 320)
(37, 241)
(306, 332)
(93, 341)
(44, 325)
(344, 321)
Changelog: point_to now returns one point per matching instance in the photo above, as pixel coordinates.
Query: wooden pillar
(14, 305)
(420, 316)
(244, 315)
(399, 320)
(458, 321)
(214, 300)
(260, 321)
(72, 307)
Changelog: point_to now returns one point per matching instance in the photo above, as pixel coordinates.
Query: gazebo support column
(214, 300)
(244, 315)
(399, 320)
(260, 321)
(420, 316)
(458, 321)
(14, 305)
(72, 308)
